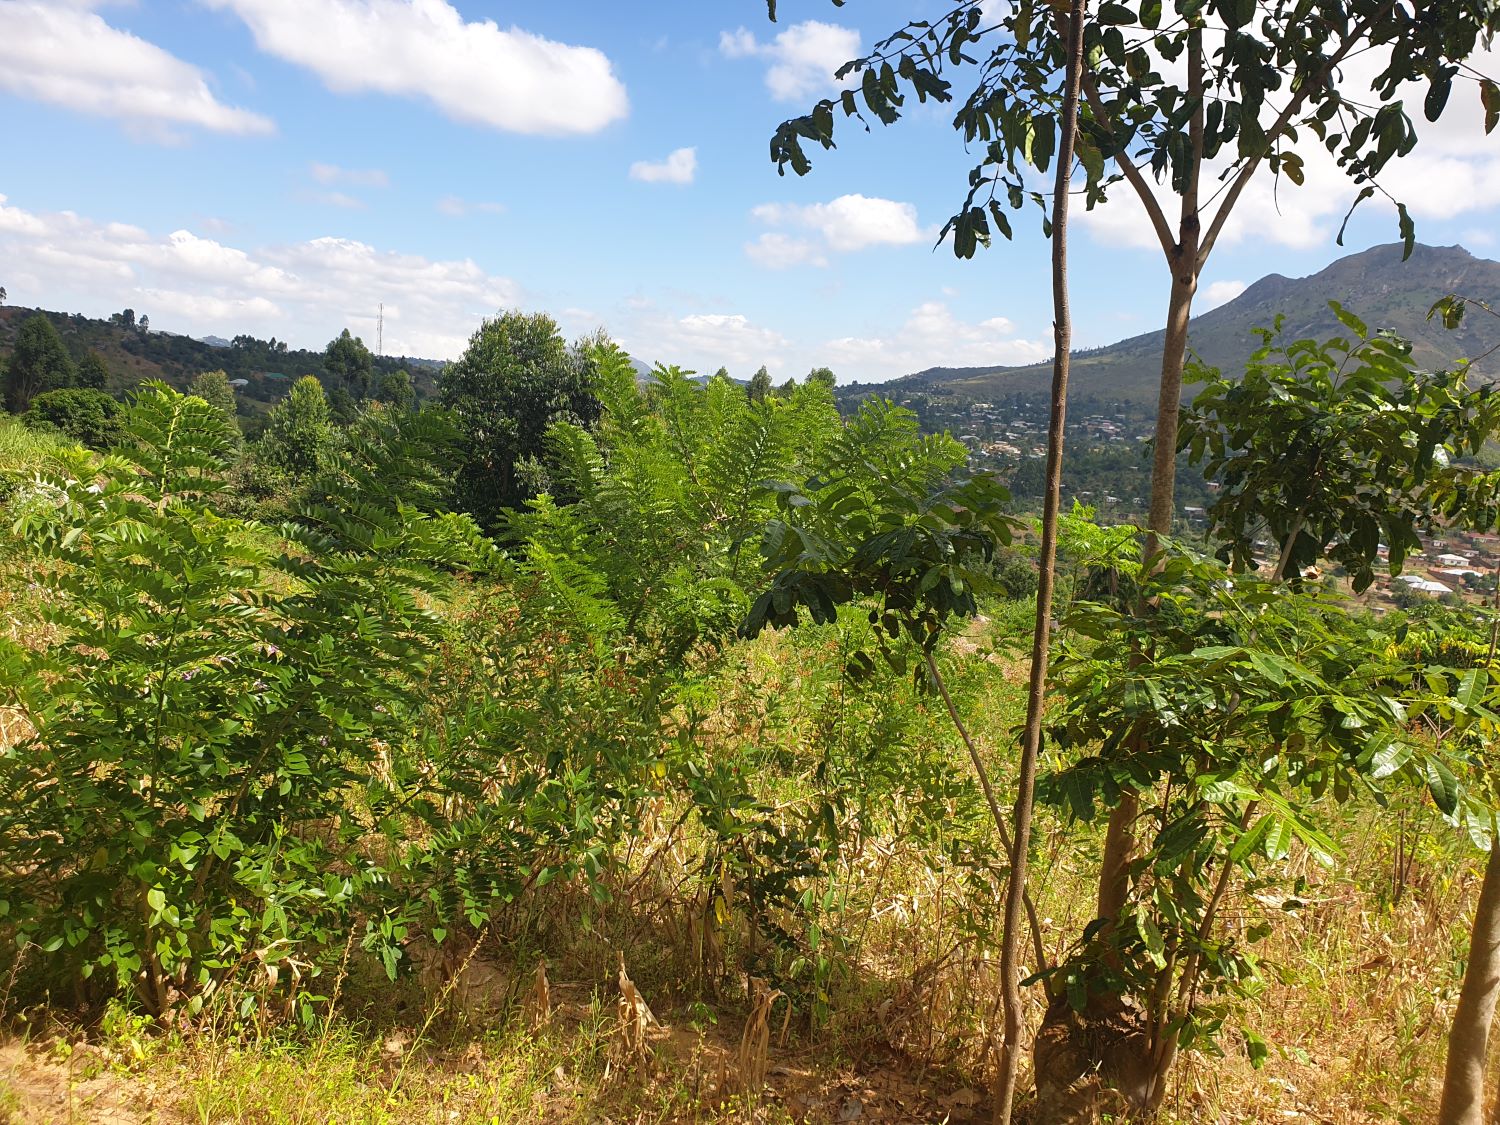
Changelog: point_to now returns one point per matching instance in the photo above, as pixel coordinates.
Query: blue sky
(281, 167)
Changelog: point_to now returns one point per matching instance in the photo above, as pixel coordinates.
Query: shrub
(190, 804)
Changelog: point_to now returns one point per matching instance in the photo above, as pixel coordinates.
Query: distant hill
(1376, 285)
(134, 356)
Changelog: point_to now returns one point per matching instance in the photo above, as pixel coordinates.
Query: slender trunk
(1185, 264)
(1062, 326)
(1169, 398)
(1468, 1041)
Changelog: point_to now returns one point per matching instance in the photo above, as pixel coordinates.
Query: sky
(285, 167)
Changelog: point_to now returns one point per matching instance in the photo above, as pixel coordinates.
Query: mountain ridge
(1374, 284)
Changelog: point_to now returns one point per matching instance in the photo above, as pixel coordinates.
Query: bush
(83, 414)
(190, 804)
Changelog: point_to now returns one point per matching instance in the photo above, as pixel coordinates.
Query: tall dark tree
(349, 364)
(38, 363)
(514, 380)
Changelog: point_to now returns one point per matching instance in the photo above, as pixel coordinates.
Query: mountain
(1375, 285)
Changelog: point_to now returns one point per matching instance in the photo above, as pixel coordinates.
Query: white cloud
(1219, 293)
(701, 342)
(303, 292)
(803, 58)
(843, 225)
(333, 174)
(457, 208)
(1452, 171)
(678, 168)
(504, 78)
(68, 56)
(932, 336)
(777, 251)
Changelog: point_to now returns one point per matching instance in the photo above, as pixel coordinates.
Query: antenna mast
(380, 331)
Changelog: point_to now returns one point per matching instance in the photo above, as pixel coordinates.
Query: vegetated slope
(1375, 284)
(133, 355)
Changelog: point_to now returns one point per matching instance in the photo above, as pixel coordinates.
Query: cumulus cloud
(333, 174)
(700, 342)
(803, 58)
(479, 72)
(456, 207)
(843, 225)
(67, 55)
(303, 292)
(1452, 172)
(932, 336)
(680, 166)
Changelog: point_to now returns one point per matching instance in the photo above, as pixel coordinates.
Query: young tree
(394, 388)
(515, 379)
(38, 363)
(213, 388)
(349, 364)
(1036, 700)
(299, 435)
(760, 385)
(93, 372)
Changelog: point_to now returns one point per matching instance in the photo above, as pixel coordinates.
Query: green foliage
(93, 372)
(1333, 448)
(38, 363)
(883, 518)
(299, 438)
(664, 495)
(394, 388)
(1236, 709)
(213, 388)
(88, 416)
(760, 385)
(349, 365)
(216, 697)
(1140, 106)
(515, 379)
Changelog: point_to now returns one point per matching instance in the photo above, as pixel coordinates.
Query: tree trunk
(1062, 329)
(1468, 1041)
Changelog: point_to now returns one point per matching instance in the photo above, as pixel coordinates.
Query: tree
(38, 363)
(1036, 699)
(145, 324)
(395, 389)
(93, 372)
(1223, 82)
(822, 375)
(760, 385)
(1334, 448)
(3, 294)
(213, 388)
(84, 414)
(515, 379)
(349, 364)
(299, 435)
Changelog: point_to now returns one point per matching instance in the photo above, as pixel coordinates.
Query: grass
(1361, 971)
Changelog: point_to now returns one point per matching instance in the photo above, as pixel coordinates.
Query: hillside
(133, 356)
(1375, 284)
